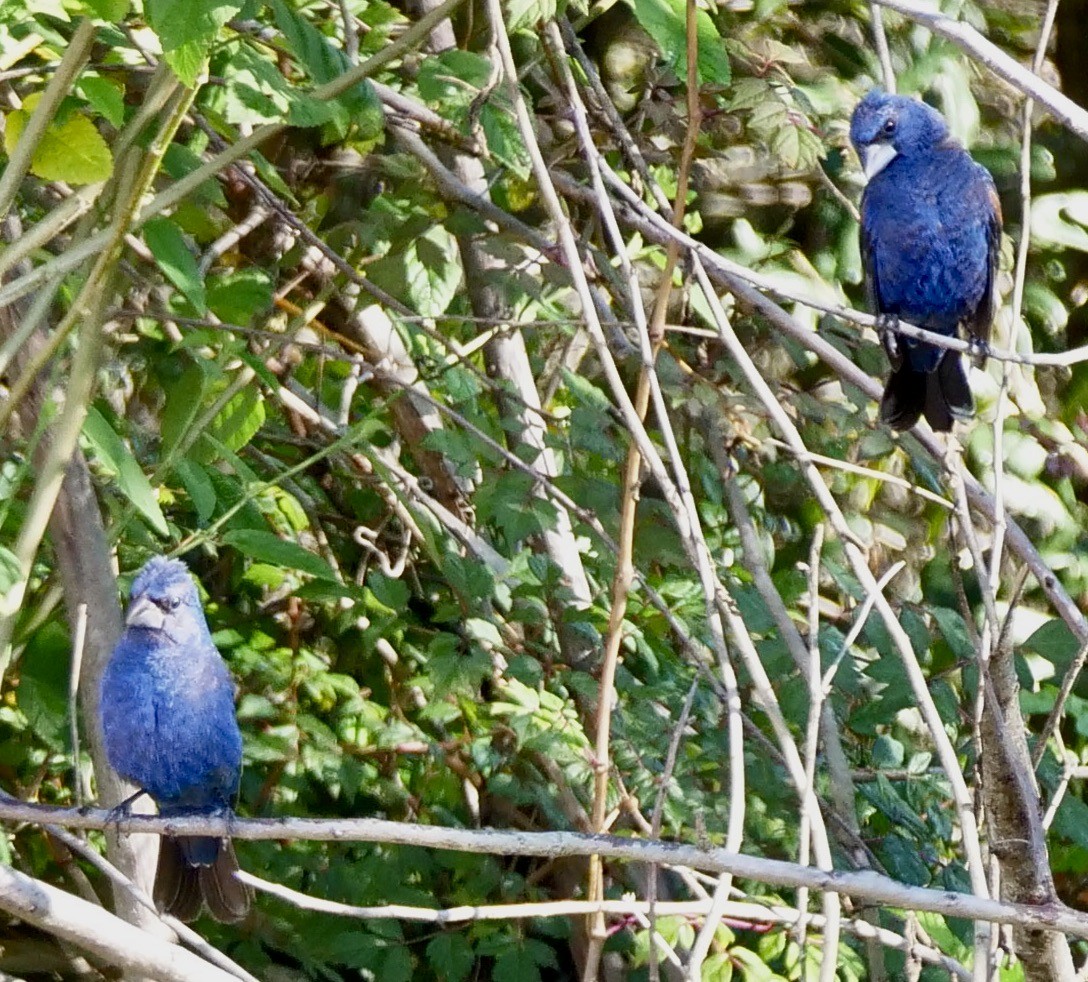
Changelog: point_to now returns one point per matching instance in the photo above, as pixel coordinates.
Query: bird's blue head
(164, 600)
(886, 126)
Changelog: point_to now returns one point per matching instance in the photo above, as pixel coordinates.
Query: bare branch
(99, 932)
(864, 886)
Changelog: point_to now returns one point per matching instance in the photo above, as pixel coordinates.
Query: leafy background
(303, 394)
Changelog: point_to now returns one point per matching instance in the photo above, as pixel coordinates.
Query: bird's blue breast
(928, 242)
(169, 723)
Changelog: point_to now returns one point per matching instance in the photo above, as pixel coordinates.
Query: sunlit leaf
(72, 151)
(115, 455)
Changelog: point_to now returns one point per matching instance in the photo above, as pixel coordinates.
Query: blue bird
(930, 240)
(167, 710)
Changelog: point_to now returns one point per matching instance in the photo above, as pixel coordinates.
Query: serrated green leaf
(189, 23)
(178, 264)
(665, 21)
(43, 687)
(270, 548)
(426, 272)
(72, 151)
(786, 145)
(316, 54)
(255, 92)
(239, 420)
(114, 454)
(504, 138)
(451, 957)
(323, 63)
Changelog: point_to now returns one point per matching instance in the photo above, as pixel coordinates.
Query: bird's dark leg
(123, 810)
(978, 350)
(887, 326)
(228, 813)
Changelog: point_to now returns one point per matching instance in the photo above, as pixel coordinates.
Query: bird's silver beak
(143, 613)
(876, 157)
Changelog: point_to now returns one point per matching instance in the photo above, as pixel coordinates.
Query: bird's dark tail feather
(193, 872)
(941, 396)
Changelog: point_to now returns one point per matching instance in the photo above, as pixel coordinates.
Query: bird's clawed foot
(978, 350)
(887, 327)
(124, 810)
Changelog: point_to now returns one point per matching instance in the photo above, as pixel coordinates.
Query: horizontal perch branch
(866, 886)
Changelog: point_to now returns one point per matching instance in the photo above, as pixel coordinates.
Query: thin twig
(1001, 64)
(659, 807)
(78, 641)
(880, 42)
(812, 730)
(1057, 711)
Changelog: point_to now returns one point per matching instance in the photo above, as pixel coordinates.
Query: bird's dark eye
(175, 602)
(889, 127)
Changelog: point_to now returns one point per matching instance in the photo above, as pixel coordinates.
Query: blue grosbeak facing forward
(167, 707)
(930, 239)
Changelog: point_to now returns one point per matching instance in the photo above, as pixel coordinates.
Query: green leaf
(270, 548)
(199, 487)
(1054, 642)
(426, 272)
(255, 92)
(900, 856)
(43, 686)
(179, 161)
(323, 63)
(526, 14)
(9, 570)
(453, 670)
(72, 151)
(718, 968)
(955, 632)
(113, 454)
(240, 295)
(106, 97)
(171, 252)
(108, 10)
(504, 138)
(887, 752)
(453, 78)
(186, 30)
(316, 54)
(184, 397)
(239, 420)
(665, 21)
(451, 957)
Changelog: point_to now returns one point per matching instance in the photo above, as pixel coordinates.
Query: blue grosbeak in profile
(167, 708)
(930, 240)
